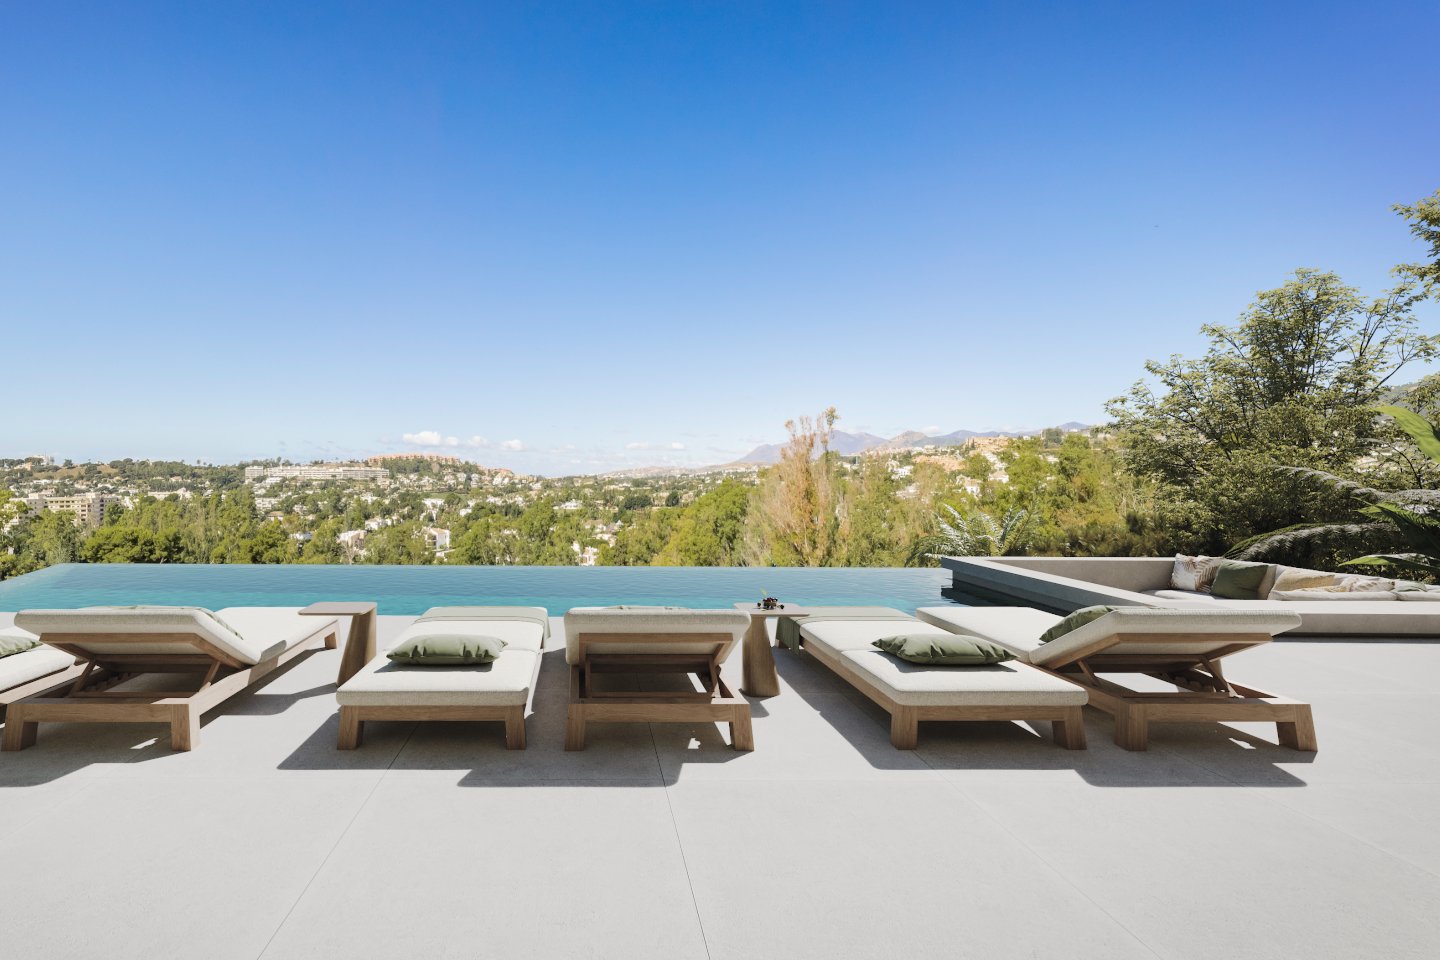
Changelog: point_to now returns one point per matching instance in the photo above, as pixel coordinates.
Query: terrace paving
(659, 841)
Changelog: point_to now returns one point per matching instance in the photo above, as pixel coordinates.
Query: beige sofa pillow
(1332, 595)
(1193, 573)
(1290, 579)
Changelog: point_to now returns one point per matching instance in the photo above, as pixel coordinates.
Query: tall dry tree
(795, 518)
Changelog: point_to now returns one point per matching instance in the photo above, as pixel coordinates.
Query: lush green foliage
(1292, 385)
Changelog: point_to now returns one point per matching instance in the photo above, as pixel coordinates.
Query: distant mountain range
(851, 444)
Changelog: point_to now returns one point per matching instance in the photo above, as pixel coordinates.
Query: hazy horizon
(623, 235)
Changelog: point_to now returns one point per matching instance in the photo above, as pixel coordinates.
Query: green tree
(710, 532)
(1289, 385)
(1424, 219)
(796, 517)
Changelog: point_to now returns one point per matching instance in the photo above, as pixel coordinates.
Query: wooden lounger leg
(352, 729)
(904, 728)
(515, 729)
(1132, 727)
(19, 734)
(184, 728)
(575, 728)
(1299, 733)
(332, 639)
(1070, 732)
(742, 734)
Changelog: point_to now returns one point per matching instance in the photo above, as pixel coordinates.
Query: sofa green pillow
(1238, 580)
(13, 643)
(447, 650)
(1075, 621)
(944, 650)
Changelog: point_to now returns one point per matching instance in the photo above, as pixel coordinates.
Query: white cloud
(434, 438)
(930, 431)
(477, 441)
(512, 445)
(425, 438)
(644, 445)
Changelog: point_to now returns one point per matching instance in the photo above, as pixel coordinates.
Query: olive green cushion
(447, 650)
(1237, 580)
(11, 644)
(1075, 621)
(940, 650)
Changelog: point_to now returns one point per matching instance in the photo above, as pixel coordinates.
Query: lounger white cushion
(21, 668)
(850, 649)
(504, 682)
(1141, 621)
(248, 634)
(651, 620)
(1018, 629)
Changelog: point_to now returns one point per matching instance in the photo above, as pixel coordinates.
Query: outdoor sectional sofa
(1065, 584)
(911, 693)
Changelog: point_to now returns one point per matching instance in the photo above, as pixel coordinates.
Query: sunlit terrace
(658, 840)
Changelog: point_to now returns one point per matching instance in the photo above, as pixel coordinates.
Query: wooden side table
(760, 679)
(360, 644)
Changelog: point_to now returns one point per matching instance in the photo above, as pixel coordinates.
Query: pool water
(406, 590)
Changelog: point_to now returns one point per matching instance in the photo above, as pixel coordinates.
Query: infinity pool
(412, 590)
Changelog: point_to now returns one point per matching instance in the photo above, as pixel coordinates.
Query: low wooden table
(360, 644)
(760, 679)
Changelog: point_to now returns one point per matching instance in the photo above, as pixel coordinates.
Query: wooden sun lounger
(36, 672)
(1179, 647)
(612, 642)
(229, 650)
(912, 693)
(501, 690)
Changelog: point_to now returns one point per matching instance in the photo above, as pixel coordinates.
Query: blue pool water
(412, 590)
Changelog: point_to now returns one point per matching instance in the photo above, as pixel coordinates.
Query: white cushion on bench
(21, 668)
(248, 634)
(1017, 629)
(504, 682)
(851, 645)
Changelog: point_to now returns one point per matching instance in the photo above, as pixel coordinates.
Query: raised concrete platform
(433, 840)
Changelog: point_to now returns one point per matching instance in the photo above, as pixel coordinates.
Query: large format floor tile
(168, 867)
(863, 870)
(1206, 872)
(573, 870)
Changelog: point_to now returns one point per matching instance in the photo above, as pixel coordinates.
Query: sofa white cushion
(504, 682)
(1017, 629)
(653, 620)
(1325, 596)
(248, 634)
(21, 668)
(1181, 595)
(1424, 596)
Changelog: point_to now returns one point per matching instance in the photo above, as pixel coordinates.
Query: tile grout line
(1038, 856)
(679, 843)
(336, 845)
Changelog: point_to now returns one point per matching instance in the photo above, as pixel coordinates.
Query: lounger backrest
(1198, 633)
(69, 629)
(656, 630)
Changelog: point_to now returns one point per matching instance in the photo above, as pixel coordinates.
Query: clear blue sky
(616, 234)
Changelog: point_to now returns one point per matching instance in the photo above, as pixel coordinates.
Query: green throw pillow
(945, 650)
(447, 650)
(13, 643)
(1075, 621)
(1237, 580)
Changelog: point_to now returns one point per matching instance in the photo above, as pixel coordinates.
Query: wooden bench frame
(92, 699)
(40, 686)
(1067, 724)
(352, 719)
(716, 703)
(1207, 696)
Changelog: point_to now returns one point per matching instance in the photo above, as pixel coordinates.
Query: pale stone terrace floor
(659, 841)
